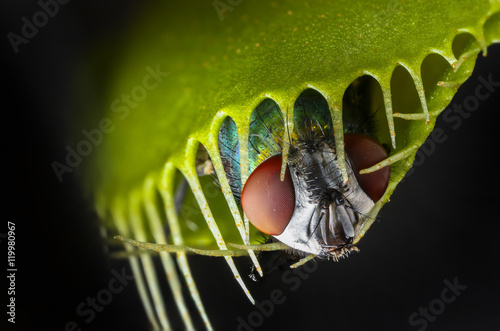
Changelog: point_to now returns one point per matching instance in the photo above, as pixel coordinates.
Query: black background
(442, 222)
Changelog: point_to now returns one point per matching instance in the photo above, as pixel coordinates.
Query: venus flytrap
(409, 57)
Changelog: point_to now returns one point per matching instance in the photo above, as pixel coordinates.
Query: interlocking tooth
(166, 189)
(303, 261)
(338, 132)
(386, 93)
(213, 150)
(139, 232)
(194, 183)
(166, 259)
(417, 80)
(118, 217)
(288, 123)
(404, 153)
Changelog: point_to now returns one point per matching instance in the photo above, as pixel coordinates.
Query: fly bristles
(340, 253)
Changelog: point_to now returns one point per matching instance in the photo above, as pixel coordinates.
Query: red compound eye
(364, 152)
(267, 201)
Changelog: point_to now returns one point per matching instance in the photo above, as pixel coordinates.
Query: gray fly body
(328, 212)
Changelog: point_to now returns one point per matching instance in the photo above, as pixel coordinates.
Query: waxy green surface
(208, 66)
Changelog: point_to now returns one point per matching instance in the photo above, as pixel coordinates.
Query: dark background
(441, 223)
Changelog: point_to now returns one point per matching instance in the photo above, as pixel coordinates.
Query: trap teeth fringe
(133, 224)
(129, 213)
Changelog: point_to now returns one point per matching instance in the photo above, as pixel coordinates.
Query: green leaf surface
(207, 67)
